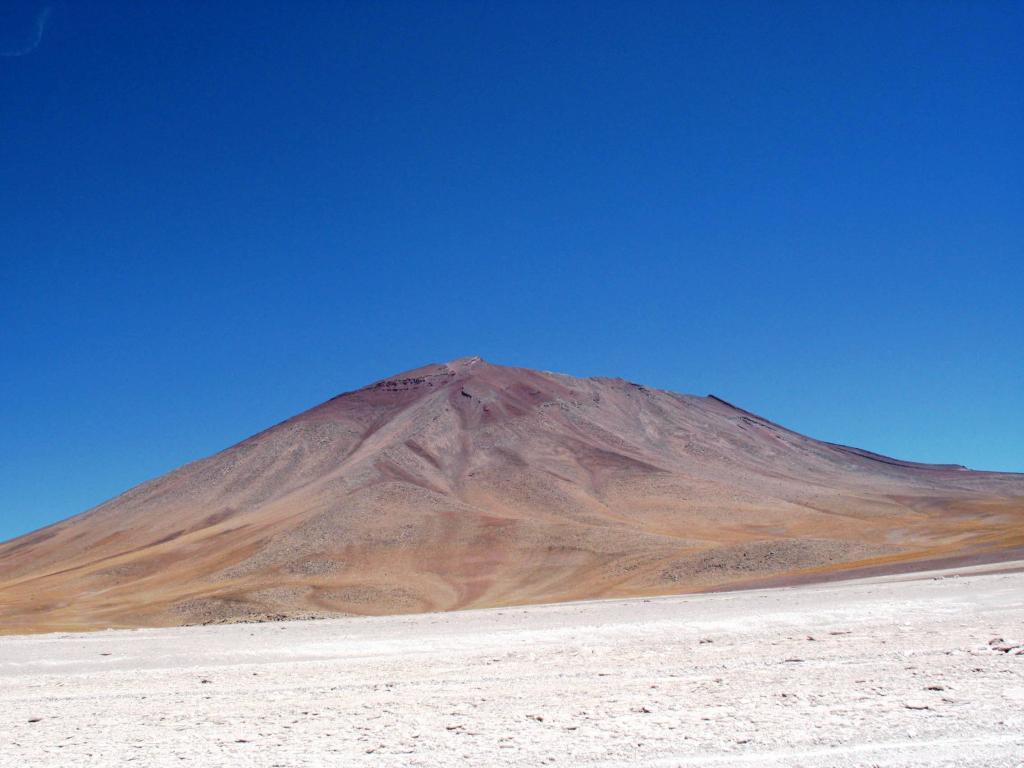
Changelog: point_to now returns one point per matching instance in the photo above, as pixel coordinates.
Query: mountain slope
(469, 484)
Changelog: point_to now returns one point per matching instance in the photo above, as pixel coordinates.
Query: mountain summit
(468, 484)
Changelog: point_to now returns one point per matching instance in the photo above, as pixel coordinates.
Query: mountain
(469, 484)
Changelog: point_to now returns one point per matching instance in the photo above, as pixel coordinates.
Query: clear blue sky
(215, 215)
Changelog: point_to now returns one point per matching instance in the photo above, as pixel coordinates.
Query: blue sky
(215, 215)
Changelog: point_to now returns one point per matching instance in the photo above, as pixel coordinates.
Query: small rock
(1005, 647)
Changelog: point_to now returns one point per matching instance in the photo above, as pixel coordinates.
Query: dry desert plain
(921, 669)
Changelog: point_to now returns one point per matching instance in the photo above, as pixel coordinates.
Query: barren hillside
(468, 484)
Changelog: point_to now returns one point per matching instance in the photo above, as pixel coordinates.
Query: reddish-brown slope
(470, 484)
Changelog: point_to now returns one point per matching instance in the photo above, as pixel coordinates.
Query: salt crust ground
(896, 671)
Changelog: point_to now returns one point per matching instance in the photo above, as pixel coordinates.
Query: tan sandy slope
(470, 485)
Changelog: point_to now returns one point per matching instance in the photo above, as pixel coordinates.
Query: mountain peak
(466, 362)
(431, 375)
(468, 484)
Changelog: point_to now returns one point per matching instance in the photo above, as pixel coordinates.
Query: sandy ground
(895, 671)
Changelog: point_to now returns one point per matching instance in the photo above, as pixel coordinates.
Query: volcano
(468, 484)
